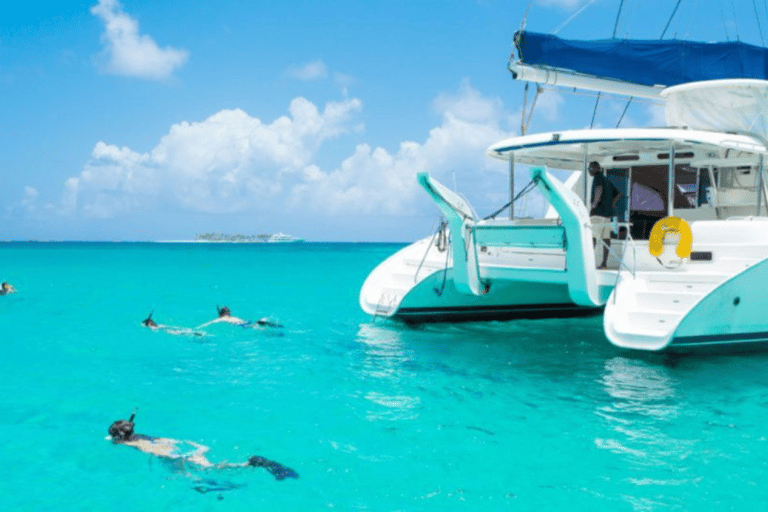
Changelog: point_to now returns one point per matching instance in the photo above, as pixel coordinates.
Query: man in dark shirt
(603, 207)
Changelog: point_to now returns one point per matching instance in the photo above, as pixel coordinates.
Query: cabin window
(648, 197)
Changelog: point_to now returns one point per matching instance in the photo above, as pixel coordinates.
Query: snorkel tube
(148, 321)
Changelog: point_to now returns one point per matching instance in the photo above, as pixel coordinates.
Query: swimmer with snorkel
(225, 316)
(121, 432)
(6, 289)
(170, 329)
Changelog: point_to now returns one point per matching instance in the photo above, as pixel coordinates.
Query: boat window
(687, 183)
(737, 178)
(648, 198)
(665, 156)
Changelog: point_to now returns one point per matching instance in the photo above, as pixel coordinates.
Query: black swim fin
(277, 470)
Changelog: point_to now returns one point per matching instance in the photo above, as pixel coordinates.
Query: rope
(525, 190)
(594, 112)
(757, 17)
(440, 291)
(524, 128)
(625, 111)
(725, 25)
(670, 18)
(575, 15)
(618, 17)
(735, 20)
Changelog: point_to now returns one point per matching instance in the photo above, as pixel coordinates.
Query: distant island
(271, 238)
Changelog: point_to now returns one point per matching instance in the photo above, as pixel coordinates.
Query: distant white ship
(282, 238)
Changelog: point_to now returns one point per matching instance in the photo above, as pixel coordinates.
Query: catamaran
(705, 168)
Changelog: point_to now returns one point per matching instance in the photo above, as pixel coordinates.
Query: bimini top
(567, 149)
(649, 63)
(739, 106)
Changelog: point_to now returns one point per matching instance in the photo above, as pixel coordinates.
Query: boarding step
(675, 301)
(652, 319)
(684, 281)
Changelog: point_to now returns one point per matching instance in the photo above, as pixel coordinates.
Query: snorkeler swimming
(6, 289)
(170, 329)
(225, 315)
(121, 432)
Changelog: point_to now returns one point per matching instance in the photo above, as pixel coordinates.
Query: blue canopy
(661, 62)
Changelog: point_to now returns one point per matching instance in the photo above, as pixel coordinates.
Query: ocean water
(523, 415)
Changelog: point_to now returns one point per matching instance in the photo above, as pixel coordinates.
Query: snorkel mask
(122, 430)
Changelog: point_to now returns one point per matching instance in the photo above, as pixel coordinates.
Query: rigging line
(757, 17)
(735, 20)
(618, 17)
(525, 16)
(625, 111)
(670, 18)
(589, 94)
(573, 17)
(725, 25)
(594, 112)
(533, 106)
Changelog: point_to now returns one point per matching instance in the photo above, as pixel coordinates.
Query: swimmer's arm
(206, 324)
(200, 448)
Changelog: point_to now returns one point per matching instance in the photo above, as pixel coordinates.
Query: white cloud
(127, 52)
(375, 180)
(230, 162)
(315, 70)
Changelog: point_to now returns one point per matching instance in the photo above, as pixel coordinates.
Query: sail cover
(650, 63)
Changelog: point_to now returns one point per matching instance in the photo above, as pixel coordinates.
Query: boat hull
(416, 285)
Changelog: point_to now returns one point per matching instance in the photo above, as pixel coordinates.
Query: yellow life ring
(671, 225)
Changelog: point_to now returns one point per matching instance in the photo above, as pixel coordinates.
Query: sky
(150, 120)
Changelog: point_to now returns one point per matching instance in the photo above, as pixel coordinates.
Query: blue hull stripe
(469, 313)
(720, 339)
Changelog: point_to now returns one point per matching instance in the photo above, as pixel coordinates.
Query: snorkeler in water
(121, 432)
(6, 289)
(225, 315)
(170, 329)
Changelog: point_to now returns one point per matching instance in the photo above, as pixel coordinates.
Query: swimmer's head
(148, 322)
(224, 311)
(122, 430)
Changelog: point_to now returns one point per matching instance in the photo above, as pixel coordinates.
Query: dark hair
(121, 430)
(594, 163)
(223, 311)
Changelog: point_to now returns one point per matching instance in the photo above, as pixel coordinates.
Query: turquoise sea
(523, 415)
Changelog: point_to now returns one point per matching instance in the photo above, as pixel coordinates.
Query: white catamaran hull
(717, 301)
(416, 284)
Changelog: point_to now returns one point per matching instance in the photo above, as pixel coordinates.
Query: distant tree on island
(221, 237)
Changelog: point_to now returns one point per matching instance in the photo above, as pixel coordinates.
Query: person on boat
(225, 315)
(181, 452)
(170, 329)
(603, 207)
(6, 289)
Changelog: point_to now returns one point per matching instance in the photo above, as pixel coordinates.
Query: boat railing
(622, 264)
(441, 235)
(616, 226)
